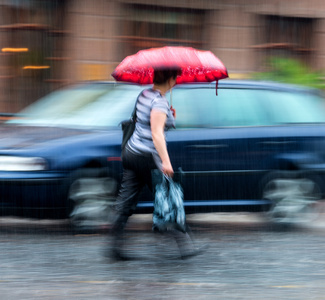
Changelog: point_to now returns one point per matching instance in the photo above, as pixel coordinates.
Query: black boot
(186, 245)
(116, 252)
(118, 255)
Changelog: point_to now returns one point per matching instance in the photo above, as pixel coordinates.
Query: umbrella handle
(171, 97)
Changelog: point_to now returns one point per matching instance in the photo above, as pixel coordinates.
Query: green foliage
(291, 71)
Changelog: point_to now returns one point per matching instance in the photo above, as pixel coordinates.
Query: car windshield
(93, 105)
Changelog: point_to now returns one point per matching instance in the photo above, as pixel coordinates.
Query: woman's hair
(161, 76)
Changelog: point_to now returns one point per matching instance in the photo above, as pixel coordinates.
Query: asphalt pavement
(246, 259)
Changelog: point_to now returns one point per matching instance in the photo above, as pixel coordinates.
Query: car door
(217, 146)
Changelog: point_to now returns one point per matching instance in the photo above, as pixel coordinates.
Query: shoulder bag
(128, 127)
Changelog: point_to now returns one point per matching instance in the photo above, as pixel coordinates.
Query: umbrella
(196, 65)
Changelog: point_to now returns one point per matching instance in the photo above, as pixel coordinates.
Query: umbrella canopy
(196, 65)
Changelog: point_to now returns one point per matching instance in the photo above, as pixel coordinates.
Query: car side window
(240, 107)
(188, 107)
(294, 108)
(201, 107)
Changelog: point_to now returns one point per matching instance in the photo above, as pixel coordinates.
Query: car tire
(294, 197)
(91, 194)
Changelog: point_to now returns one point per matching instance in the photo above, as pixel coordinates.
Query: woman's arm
(157, 120)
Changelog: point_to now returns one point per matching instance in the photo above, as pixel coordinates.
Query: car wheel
(294, 200)
(90, 195)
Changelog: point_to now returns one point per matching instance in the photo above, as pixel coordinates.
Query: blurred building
(46, 44)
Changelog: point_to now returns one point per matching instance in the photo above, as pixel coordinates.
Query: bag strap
(134, 113)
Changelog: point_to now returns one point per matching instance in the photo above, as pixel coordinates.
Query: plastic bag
(168, 207)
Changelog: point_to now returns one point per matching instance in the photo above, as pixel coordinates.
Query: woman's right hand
(173, 110)
(167, 169)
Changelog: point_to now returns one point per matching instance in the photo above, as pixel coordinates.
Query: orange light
(14, 49)
(35, 67)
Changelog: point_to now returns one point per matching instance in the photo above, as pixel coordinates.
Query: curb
(136, 222)
(203, 221)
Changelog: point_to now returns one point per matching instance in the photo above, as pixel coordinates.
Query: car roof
(256, 84)
(232, 84)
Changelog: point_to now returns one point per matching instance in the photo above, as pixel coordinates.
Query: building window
(146, 26)
(290, 37)
(33, 46)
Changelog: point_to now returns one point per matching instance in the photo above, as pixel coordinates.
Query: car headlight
(18, 163)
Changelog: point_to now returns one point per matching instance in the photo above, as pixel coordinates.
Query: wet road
(245, 260)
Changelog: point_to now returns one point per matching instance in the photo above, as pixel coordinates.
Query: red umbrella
(196, 65)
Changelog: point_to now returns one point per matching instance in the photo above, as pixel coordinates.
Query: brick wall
(91, 40)
(88, 49)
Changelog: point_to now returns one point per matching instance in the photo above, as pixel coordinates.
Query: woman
(146, 150)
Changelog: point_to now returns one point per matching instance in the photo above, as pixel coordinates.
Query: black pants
(136, 174)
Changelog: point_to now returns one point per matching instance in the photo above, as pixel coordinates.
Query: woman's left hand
(173, 110)
(167, 169)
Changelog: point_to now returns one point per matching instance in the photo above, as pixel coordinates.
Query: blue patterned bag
(168, 207)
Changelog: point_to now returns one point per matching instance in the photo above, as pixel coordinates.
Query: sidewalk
(203, 221)
(137, 222)
(207, 220)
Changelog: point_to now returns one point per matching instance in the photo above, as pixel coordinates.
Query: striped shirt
(141, 141)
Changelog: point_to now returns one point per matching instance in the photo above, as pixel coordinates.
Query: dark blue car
(254, 146)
